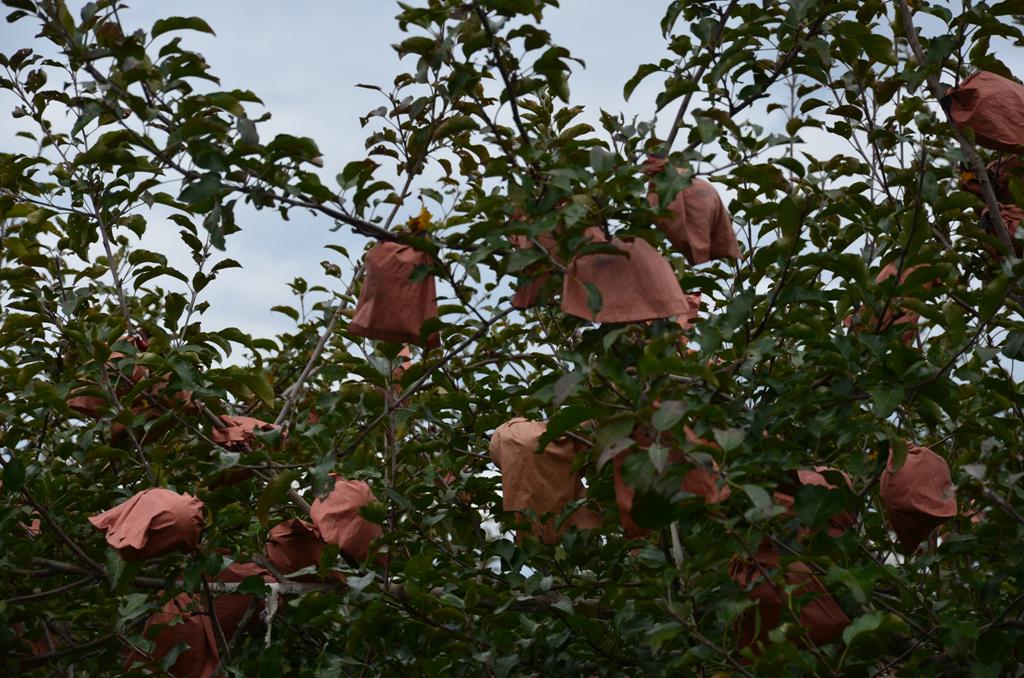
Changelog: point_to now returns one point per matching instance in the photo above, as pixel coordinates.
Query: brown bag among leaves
(230, 608)
(237, 434)
(822, 618)
(700, 481)
(93, 406)
(337, 518)
(918, 497)
(894, 315)
(294, 545)
(1012, 218)
(1000, 171)
(838, 523)
(535, 276)
(634, 288)
(541, 482)
(181, 620)
(993, 107)
(391, 306)
(699, 225)
(152, 523)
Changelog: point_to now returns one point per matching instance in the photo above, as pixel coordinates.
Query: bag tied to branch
(636, 285)
(93, 406)
(391, 306)
(230, 608)
(337, 518)
(542, 481)
(294, 545)
(698, 224)
(237, 434)
(992, 107)
(701, 481)
(182, 621)
(821, 617)
(1012, 218)
(534, 278)
(152, 523)
(918, 497)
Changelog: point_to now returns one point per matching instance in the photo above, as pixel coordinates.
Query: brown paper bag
(540, 482)
(918, 497)
(637, 287)
(993, 107)
(709, 484)
(152, 523)
(699, 225)
(822, 618)
(337, 518)
(294, 545)
(392, 307)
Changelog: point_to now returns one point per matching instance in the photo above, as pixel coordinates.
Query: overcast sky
(304, 58)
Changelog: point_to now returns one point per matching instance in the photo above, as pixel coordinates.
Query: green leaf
(274, 493)
(567, 385)
(14, 476)
(642, 72)
(180, 23)
(258, 384)
(601, 159)
(992, 296)
(730, 438)
(759, 496)
(668, 415)
(201, 190)
(594, 300)
(455, 125)
(873, 623)
(816, 504)
(272, 661)
(886, 399)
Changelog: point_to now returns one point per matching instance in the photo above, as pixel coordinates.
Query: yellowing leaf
(420, 222)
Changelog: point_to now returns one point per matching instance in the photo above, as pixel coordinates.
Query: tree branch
(966, 146)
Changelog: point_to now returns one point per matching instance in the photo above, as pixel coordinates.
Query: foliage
(483, 129)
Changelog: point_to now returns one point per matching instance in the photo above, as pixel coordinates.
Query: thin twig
(416, 385)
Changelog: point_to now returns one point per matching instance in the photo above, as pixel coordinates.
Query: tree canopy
(751, 480)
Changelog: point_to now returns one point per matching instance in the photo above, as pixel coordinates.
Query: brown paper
(536, 275)
(230, 608)
(540, 482)
(838, 523)
(918, 497)
(634, 288)
(822, 618)
(1012, 218)
(699, 225)
(93, 406)
(895, 315)
(337, 518)
(708, 484)
(182, 620)
(294, 545)
(392, 307)
(238, 433)
(993, 107)
(152, 523)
